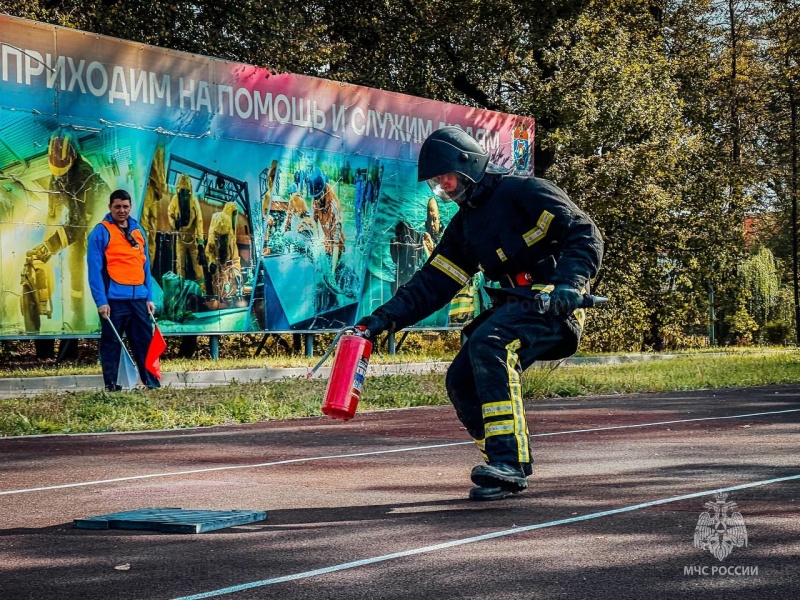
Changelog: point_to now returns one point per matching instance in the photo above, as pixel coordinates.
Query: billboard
(271, 202)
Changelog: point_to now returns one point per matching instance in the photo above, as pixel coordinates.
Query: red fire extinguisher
(347, 374)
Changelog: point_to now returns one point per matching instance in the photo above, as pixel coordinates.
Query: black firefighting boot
(506, 476)
(483, 494)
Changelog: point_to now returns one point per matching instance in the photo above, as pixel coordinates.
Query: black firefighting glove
(373, 325)
(565, 300)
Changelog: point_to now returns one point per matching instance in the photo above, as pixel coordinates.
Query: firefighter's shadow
(286, 519)
(457, 509)
(544, 504)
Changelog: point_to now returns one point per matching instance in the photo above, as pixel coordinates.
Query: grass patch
(682, 373)
(174, 408)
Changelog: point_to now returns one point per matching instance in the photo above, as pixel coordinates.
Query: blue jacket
(103, 288)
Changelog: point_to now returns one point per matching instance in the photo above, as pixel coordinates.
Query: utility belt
(540, 273)
(525, 286)
(519, 285)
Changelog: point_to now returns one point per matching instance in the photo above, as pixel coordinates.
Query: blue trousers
(484, 380)
(129, 317)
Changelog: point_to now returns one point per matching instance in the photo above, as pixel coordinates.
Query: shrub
(776, 332)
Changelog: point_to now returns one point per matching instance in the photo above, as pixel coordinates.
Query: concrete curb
(29, 386)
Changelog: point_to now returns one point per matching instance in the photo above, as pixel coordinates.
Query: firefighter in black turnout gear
(525, 234)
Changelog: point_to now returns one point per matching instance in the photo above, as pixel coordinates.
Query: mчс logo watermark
(719, 530)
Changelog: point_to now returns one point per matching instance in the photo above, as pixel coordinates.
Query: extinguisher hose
(329, 351)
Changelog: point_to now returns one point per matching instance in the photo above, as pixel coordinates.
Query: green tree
(715, 49)
(615, 137)
(668, 121)
(281, 35)
(782, 30)
(760, 285)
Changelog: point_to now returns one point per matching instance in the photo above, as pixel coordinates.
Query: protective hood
(183, 190)
(232, 211)
(482, 191)
(222, 226)
(184, 183)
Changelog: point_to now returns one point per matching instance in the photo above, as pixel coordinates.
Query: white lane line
(478, 538)
(228, 468)
(777, 412)
(371, 453)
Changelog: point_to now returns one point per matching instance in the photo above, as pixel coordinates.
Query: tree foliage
(668, 121)
(760, 284)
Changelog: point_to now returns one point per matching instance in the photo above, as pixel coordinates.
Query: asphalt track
(376, 508)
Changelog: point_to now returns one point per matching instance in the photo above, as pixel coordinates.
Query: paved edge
(27, 386)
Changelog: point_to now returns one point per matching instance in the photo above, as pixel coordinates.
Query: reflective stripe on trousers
(484, 380)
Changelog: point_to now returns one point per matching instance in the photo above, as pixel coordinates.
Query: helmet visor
(449, 187)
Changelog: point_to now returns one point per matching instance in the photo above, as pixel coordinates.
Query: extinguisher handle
(330, 350)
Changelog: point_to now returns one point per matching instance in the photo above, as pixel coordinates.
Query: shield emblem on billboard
(521, 147)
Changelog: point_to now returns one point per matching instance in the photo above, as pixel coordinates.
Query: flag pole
(114, 329)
